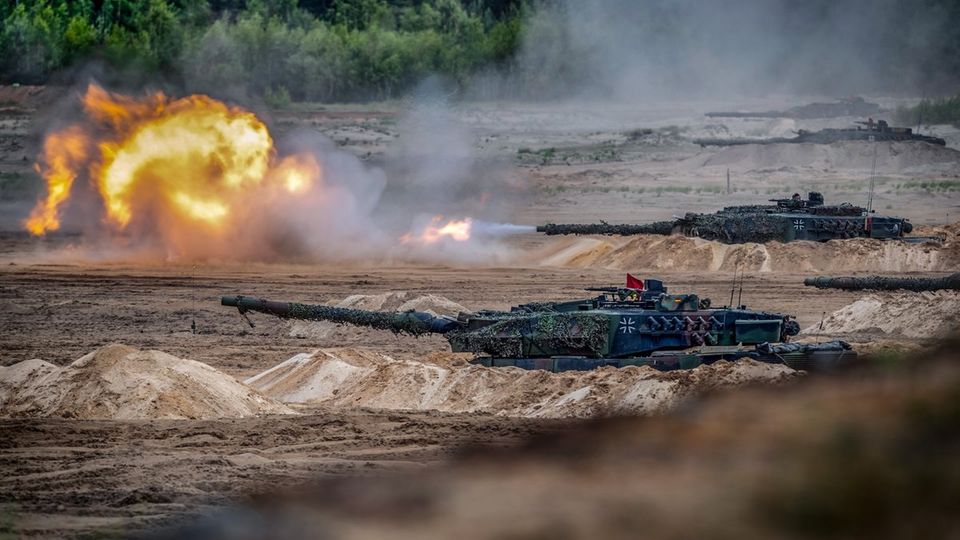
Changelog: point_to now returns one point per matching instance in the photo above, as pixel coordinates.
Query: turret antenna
(733, 285)
(740, 296)
(873, 174)
(923, 97)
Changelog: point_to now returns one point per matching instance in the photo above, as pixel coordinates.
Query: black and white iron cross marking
(798, 224)
(627, 325)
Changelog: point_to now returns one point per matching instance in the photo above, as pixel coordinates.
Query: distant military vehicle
(870, 131)
(786, 220)
(853, 106)
(640, 325)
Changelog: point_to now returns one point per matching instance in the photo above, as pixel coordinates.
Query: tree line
(354, 50)
(310, 50)
(931, 111)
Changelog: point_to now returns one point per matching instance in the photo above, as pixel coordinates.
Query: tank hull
(820, 358)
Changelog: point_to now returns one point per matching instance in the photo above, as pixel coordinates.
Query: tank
(864, 131)
(853, 106)
(619, 327)
(785, 220)
(881, 283)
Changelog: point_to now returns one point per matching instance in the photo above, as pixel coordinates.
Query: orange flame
(192, 161)
(436, 230)
(63, 154)
(298, 173)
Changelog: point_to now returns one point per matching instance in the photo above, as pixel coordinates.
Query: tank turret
(621, 326)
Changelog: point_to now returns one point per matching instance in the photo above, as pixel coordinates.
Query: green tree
(213, 61)
(164, 35)
(504, 38)
(32, 39)
(123, 47)
(79, 38)
(318, 67)
(362, 14)
(116, 13)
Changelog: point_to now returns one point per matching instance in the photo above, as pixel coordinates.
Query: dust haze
(658, 49)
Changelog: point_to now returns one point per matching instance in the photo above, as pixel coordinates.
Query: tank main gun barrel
(885, 283)
(740, 142)
(659, 227)
(737, 114)
(408, 322)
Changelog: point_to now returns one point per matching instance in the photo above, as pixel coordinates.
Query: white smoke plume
(641, 50)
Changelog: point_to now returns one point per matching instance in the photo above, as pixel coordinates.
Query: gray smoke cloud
(654, 49)
(434, 167)
(352, 210)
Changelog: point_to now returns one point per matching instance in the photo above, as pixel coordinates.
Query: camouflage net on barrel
(659, 227)
(399, 323)
(885, 283)
(730, 229)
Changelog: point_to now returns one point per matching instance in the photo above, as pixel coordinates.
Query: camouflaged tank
(784, 221)
(619, 327)
(864, 131)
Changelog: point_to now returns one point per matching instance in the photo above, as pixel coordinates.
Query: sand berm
(120, 382)
(349, 377)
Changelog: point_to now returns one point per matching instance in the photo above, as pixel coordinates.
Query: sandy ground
(862, 455)
(68, 477)
(578, 164)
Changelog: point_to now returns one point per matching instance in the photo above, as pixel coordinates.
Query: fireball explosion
(177, 168)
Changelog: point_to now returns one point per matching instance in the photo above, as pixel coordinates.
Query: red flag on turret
(634, 283)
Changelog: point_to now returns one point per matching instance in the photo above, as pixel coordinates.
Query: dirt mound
(348, 377)
(912, 315)
(899, 157)
(679, 253)
(120, 382)
(16, 376)
(391, 301)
